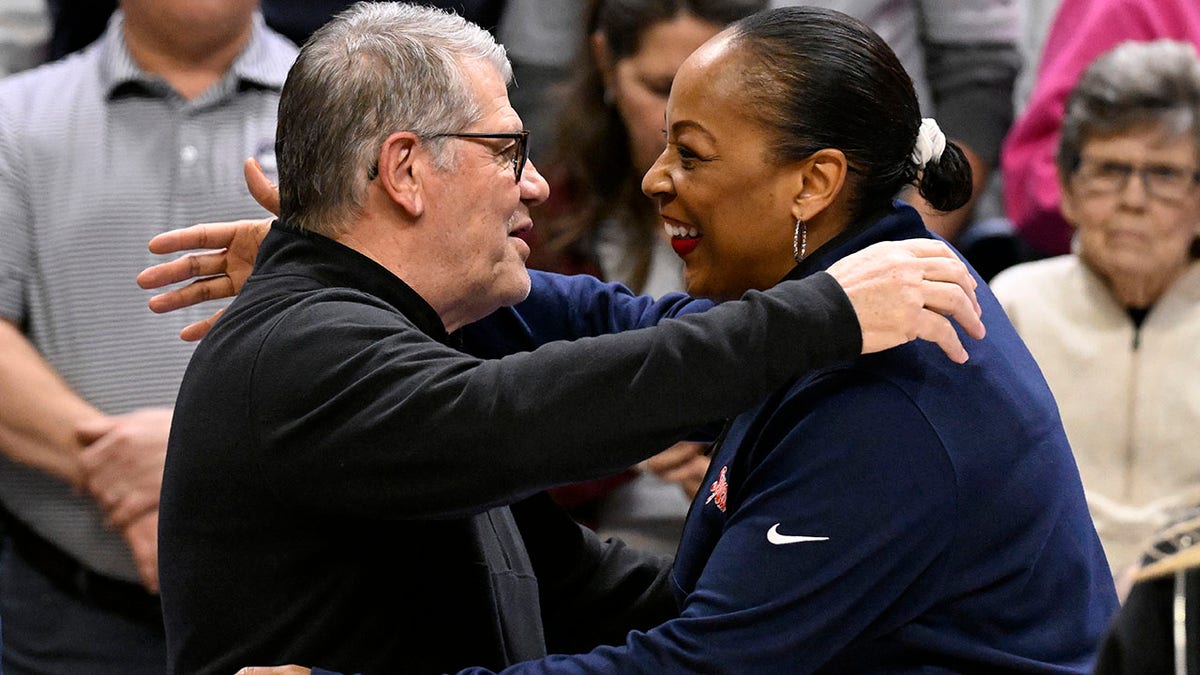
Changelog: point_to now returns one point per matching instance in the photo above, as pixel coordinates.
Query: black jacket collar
(288, 250)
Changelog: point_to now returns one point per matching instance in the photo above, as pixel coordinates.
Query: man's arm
(40, 412)
(118, 460)
(899, 290)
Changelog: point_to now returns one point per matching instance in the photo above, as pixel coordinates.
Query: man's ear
(820, 181)
(401, 172)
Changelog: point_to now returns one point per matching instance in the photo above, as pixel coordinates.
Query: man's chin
(518, 288)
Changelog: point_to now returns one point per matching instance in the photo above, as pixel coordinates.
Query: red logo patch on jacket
(719, 490)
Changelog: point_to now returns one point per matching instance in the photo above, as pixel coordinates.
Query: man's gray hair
(1136, 84)
(375, 69)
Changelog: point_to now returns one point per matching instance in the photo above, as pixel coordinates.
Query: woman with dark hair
(895, 513)
(598, 221)
(609, 133)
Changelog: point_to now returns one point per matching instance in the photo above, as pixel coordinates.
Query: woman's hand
(684, 464)
(221, 268)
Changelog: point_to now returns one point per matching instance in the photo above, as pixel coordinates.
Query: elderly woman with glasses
(1116, 324)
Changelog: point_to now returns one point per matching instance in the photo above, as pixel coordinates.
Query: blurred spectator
(1037, 15)
(77, 23)
(1082, 30)
(1157, 631)
(1115, 325)
(297, 19)
(24, 31)
(143, 131)
(600, 222)
(543, 39)
(963, 57)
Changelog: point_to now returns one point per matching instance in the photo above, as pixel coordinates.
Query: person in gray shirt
(143, 130)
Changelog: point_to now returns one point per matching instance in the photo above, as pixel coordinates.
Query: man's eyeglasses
(518, 151)
(519, 148)
(1162, 181)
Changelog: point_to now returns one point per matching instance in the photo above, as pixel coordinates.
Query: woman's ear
(604, 61)
(1067, 203)
(822, 178)
(401, 172)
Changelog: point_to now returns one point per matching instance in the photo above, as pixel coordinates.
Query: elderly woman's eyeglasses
(1162, 181)
(517, 152)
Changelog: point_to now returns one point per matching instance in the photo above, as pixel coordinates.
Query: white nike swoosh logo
(774, 537)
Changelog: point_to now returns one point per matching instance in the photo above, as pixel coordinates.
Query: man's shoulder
(51, 86)
(287, 314)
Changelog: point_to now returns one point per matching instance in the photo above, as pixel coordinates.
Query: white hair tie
(930, 143)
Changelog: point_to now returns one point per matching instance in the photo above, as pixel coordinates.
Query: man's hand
(142, 537)
(275, 670)
(123, 462)
(220, 270)
(684, 464)
(905, 289)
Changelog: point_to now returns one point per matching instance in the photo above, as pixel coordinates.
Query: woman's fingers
(190, 266)
(261, 188)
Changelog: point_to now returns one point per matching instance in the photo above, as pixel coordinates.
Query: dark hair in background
(591, 159)
(817, 78)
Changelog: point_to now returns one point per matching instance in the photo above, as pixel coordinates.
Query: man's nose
(534, 188)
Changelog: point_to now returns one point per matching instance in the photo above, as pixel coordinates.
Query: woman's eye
(687, 157)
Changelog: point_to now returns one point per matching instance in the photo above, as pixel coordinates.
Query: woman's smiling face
(725, 203)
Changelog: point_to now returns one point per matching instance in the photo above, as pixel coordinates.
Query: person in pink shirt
(1082, 30)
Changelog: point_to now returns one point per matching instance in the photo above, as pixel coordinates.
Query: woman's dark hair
(816, 79)
(590, 164)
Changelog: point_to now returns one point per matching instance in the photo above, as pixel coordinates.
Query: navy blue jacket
(897, 513)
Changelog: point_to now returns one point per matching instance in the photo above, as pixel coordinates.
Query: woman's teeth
(681, 232)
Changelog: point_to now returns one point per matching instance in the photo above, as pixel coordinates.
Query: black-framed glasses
(519, 148)
(1161, 181)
